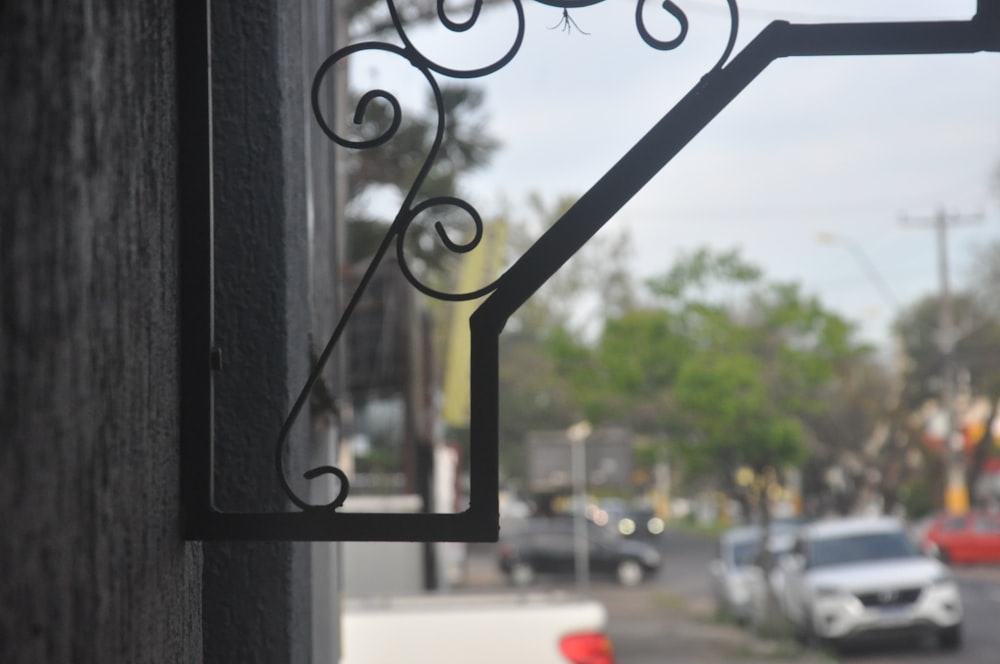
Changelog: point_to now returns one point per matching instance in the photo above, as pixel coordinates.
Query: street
(684, 574)
(671, 618)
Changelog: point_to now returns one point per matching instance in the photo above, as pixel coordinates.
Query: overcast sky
(842, 146)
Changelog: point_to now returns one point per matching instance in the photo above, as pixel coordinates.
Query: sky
(834, 148)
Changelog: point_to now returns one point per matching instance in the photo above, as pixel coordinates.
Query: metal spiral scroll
(409, 211)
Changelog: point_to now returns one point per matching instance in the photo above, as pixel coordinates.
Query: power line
(941, 221)
(866, 264)
(795, 15)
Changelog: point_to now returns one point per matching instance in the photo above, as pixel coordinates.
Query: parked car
(627, 519)
(546, 546)
(735, 576)
(767, 589)
(729, 568)
(863, 578)
(484, 628)
(964, 539)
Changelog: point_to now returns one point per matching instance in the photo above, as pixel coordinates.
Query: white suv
(863, 578)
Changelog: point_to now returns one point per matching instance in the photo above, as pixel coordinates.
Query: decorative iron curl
(420, 60)
(659, 44)
(671, 8)
(452, 246)
(397, 230)
(408, 212)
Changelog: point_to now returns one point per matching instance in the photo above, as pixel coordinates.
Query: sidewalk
(648, 625)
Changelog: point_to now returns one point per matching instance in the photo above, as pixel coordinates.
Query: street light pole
(577, 435)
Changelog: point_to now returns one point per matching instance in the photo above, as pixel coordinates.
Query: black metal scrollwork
(410, 210)
(676, 128)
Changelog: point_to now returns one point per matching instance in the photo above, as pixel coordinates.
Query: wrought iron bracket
(680, 124)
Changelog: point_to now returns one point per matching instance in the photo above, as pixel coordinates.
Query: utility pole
(956, 497)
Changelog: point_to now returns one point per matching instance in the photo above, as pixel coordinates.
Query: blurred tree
(976, 311)
(737, 371)
(975, 356)
(533, 397)
(547, 338)
(871, 437)
(979, 348)
(594, 284)
(762, 359)
(466, 146)
(748, 367)
(985, 274)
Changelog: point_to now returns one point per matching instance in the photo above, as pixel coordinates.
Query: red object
(587, 648)
(964, 539)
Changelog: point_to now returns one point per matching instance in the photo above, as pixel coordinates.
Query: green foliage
(702, 270)
(978, 347)
(643, 350)
(975, 312)
(919, 497)
(975, 354)
(548, 369)
(731, 415)
(534, 396)
(731, 366)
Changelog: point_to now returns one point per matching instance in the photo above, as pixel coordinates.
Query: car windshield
(860, 547)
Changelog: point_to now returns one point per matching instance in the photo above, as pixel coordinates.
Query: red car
(963, 539)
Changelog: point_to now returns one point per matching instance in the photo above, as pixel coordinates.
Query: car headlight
(626, 526)
(655, 525)
(945, 579)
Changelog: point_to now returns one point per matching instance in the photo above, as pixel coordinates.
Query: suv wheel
(629, 572)
(950, 638)
(521, 574)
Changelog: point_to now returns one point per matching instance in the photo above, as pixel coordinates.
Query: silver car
(738, 583)
(766, 588)
(863, 578)
(729, 569)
